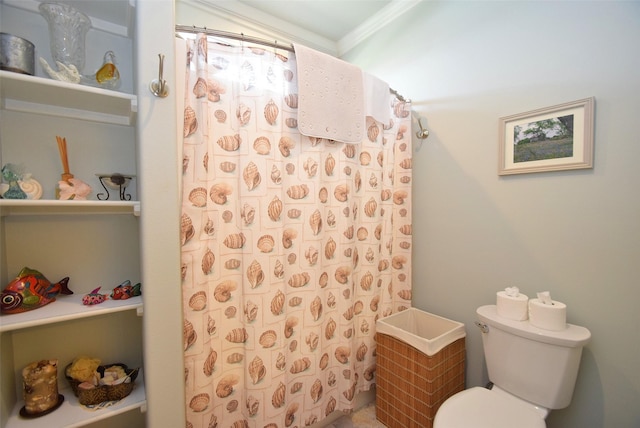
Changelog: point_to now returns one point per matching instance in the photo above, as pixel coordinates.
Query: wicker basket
(103, 393)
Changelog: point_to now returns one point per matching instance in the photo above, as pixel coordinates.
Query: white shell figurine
(65, 73)
(31, 187)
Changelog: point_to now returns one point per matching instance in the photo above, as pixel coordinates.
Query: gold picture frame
(554, 138)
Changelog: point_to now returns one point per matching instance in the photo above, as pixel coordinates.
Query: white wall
(574, 233)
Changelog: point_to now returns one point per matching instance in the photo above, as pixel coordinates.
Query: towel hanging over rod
(244, 38)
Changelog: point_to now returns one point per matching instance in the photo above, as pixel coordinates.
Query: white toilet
(532, 370)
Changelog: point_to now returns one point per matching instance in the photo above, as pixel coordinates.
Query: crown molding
(385, 16)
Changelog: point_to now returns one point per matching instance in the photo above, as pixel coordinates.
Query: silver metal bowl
(16, 54)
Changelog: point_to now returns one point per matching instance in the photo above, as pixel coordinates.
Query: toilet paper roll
(548, 317)
(512, 307)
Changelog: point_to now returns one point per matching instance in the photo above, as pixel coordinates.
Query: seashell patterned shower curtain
(292, 247)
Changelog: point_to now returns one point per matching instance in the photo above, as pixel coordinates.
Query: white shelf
(58, 207)
(72, 414)
(66, 308)
(33, 94)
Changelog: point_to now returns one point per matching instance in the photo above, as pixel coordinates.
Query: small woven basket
(103, 393)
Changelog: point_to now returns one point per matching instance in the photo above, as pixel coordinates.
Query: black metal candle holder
(115, 181)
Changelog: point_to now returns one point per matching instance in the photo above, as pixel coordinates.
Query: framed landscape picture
(554, 138)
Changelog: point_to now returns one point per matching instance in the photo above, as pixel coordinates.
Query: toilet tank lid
(573, 336)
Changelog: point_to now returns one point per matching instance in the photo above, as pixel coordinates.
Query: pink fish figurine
(126, 290)
(94, 297)
(30, 290)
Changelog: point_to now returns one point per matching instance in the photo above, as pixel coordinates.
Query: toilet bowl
(532, 371)
(484, 408)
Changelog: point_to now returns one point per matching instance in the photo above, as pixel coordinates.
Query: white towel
(330, 97)
(377, 98)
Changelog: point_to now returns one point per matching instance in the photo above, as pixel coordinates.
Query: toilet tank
(540, 366)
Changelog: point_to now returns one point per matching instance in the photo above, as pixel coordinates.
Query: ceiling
(332, 19)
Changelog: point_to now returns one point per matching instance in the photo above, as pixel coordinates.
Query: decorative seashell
(373, 131)
(366, 281)
(222, 292)
(348, 333)
(235, 358)
(362, 233)
(369, 373)
(230, 312)
(243, 114)
(330, 248)
(227, 166)
(311, 167)
(183, 271)
(401, 110)
(295, 301)
(291, 100)
(358, 307)
(276, 175)
(198, 197)
(370, 207)
(199, 402)
(404, 294)
(331, 219)
(329, 164)
(247, 214)
(262, 145)
(398, 261)
(290, 414)
(288, 75)
(311, 254)
(225, 386)
(364, 327)
(330, 329)
(214, 91)
(404, 245)
(198, 301)
(405, 163)
(342, 274)
(232, 406)
(288, 236)
(211, 325)
(349, 150)
(350, 393)
(200, 88)
(207, 261)
(385, 194)
(266, 243)
(294, 213)
(285, 145)
(210, 363)
(402, 277)
(316, 308)
(275, 208)
(405, 179)
(297, 386)
(299, 279)
(187, 230)
(316, 391)
(253, 405)
(271, 112)
(188, 334)
(281, 361)
(220, 115)
(235, 240)
(190, 121)
(383, 265)
(341, 192)
(268, 338)
(323, 281)
(291, 122)
(227, 216)
(300, 365)
(185, 164)
(277, 303)
(378, 232)
(251, 176)
(365, 158)
(257, 370)
(232, 264)
(399, 196)
(250, 311)
(342, 354)
(315, 221)
(349, 313)
(277, 399)
(323, 195)
(255, 275)
(298, 191)
(405, 229)
(347, 170)
(237, 335)
(288, 326)
(290, 168)
(230, 143)
(324, 361)
(278, 269)
(219, 193)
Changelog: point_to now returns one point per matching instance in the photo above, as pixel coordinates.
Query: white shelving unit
(95, 243)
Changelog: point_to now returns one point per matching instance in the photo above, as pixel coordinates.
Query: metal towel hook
(423, 133)
(159, 87)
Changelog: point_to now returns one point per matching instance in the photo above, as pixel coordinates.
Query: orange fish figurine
(30, 290)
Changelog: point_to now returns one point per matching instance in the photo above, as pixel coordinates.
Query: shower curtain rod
(244, 38)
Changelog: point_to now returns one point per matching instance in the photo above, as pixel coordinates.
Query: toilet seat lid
(480, 408)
